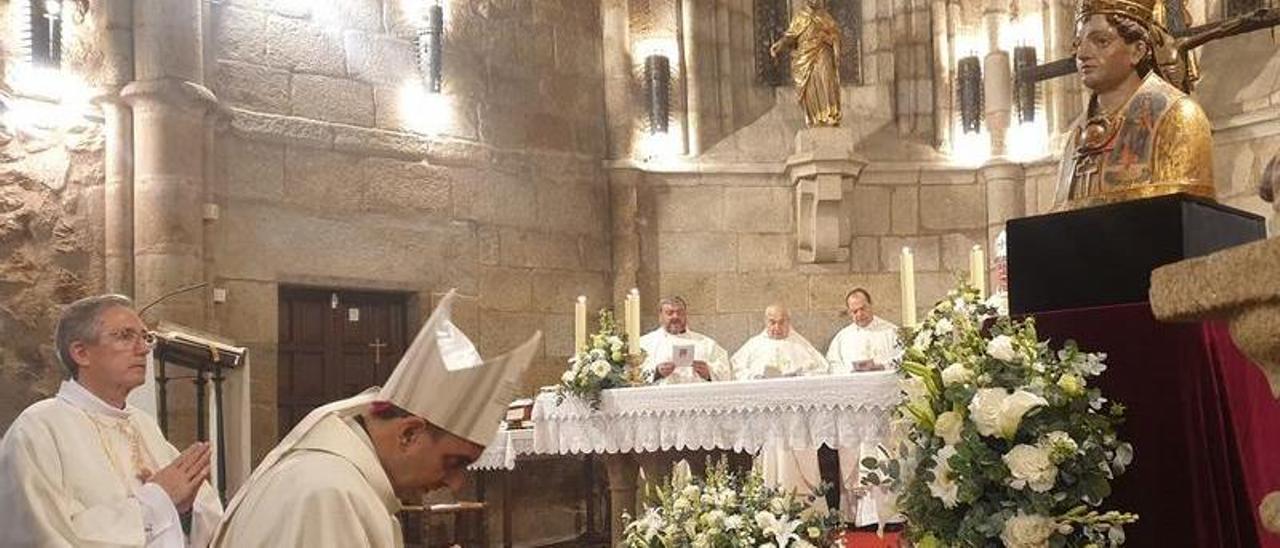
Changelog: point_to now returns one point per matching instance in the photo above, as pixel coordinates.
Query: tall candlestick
(908, 270)
(978, 270)
(580, 324)
(633, 322)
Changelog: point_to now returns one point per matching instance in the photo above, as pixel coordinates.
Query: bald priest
(338, 478)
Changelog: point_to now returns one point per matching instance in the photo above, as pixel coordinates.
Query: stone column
(170, 107)
(620, 110)
(938, 18)
(997, 78)
(823, 169)
(118, 195)
(624, 210)
(622, 471)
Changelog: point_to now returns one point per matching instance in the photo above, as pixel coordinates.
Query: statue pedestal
(823, 169)
(1104, 255)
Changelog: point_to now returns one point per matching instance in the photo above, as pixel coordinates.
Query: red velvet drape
(1205, 430)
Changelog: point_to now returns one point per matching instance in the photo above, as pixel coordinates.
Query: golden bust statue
(814, 70)
(1141, 135)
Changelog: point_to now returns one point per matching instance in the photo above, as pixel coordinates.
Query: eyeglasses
(130, 337)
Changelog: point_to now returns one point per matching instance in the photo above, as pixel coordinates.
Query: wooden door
(334, 344)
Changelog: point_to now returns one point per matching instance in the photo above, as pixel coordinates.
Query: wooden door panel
(326, 353)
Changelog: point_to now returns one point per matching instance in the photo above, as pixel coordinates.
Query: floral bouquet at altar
(601, 366)
(1004, 440)
(721, 511)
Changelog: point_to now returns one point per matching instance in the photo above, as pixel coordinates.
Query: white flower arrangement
(599, 367)
(722, 511)
(1005, 440)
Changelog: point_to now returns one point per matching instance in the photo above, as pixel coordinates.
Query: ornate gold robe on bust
(813, 65)
(1158, 143)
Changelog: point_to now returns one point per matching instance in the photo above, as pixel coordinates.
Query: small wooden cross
(377, 345)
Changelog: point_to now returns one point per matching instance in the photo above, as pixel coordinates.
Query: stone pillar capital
(180, 93)
(1001, 170)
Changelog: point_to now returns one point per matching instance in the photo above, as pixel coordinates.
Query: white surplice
(878, 342)
(69, 476)
(658, 345)
(764, 357)
(322, 487)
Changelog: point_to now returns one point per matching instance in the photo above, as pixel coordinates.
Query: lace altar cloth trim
(506, 446)
(794, 413)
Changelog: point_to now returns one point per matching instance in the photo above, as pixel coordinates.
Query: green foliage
(1000, 438)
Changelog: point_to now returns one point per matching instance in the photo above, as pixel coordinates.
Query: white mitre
(442, 379)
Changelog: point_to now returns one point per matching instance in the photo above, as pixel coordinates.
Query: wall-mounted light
(430, 38)
(657, 77)
(969, 93)
(46, 33)
(1024, 88)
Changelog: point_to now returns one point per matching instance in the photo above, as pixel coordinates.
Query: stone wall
(335, 169)
(726, 242)
(50, 249)
(51, 210)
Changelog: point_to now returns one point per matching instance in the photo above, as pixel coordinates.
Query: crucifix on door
(377, 345)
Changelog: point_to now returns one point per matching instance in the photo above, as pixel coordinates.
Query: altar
(746, 416)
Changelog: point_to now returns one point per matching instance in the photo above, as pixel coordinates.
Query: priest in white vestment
(85, 468)
(339, 477)
(868, 343)
(676, 354)
(779, 351)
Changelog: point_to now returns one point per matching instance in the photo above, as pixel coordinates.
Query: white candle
(580, 324)
(908, 271)
(978, 270)
(633, 322)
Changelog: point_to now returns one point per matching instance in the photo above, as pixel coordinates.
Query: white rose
(601, 368)
(567, 377)
(1029, 466)
(1027, 531)
(944, 486)
(984, 410)
(1014, 407)
(948, 427)
(943, 326)
(1001, 348)
(956, 373)
(732, 522)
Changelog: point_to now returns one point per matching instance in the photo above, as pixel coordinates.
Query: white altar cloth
(793, 413)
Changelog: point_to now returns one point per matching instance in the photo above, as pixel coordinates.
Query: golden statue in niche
(1142, 136)
(814, 69)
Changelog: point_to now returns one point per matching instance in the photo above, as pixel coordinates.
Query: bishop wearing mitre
(338, 478)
